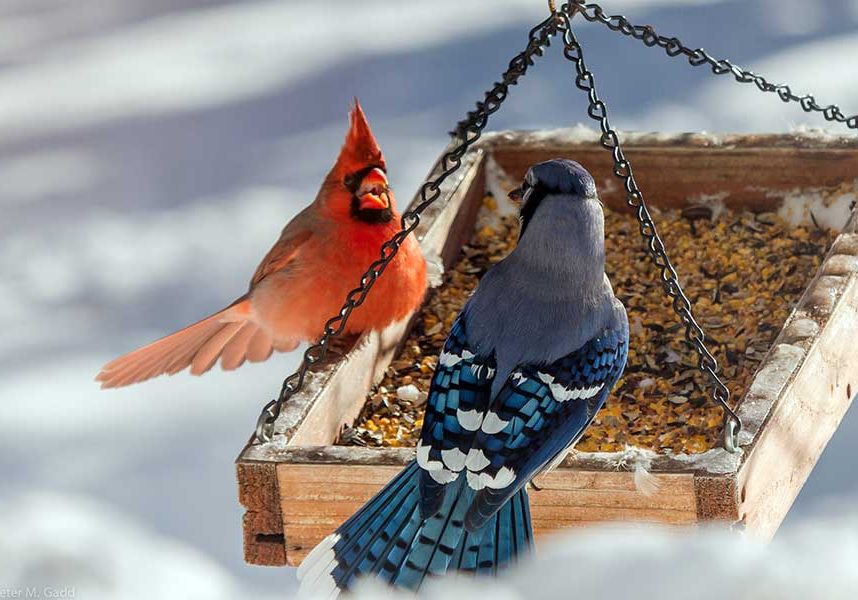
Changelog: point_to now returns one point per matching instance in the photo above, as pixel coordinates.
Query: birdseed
(743, 273)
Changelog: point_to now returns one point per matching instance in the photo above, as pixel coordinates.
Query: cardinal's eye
(349, 181)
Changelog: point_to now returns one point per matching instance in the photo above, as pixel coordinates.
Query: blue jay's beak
(517, 194)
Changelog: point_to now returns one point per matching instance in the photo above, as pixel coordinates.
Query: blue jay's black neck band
(532, 199)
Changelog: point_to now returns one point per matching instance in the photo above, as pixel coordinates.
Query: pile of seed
(742, 272)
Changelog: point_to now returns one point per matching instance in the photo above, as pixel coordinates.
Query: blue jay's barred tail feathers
(389, 539)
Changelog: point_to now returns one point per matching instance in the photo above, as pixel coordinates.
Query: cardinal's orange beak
(374, 191)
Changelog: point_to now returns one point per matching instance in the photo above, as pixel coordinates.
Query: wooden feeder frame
(299, 487)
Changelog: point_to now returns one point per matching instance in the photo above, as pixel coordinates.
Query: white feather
(315, 557)
(638, 460)
(448, 359)
(645, 482)
(493, 424)
(469, 419)
(562, 394)
(443, 476)
(326, 588)
(590, 392)
(454, 459)
(545, 377)
(315, 573)
(476, 460)
(423, 458)
(502, 478)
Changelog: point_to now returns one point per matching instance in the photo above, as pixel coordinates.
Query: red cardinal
(303, 280)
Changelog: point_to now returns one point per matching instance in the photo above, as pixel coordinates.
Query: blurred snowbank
(225, 53)
(70, 543)
(220, 54)
(814, 560)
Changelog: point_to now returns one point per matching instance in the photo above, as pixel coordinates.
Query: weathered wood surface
(317, 498)
(798, 396)
(262, 523)
(675, 170)
(813, 404)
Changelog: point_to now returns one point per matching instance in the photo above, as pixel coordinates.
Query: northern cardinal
(303, 280)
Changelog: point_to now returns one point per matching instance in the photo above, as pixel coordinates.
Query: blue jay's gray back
(550, 295)
(526, 366)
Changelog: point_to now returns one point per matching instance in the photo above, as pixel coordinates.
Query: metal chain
(694, 335)
(673, 46)
(467, 132)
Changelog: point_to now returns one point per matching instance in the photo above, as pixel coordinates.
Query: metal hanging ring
(732, 426)
(265, 422)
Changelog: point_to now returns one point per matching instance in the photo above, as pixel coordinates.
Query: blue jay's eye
(518, 194)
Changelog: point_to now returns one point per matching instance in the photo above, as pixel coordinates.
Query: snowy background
(151, 150)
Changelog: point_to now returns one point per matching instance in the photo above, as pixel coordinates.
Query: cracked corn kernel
(742, 272)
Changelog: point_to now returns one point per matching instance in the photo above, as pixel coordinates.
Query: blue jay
(528, 363)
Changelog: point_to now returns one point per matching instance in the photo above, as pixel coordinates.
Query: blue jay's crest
(561, 177)
(529, 361)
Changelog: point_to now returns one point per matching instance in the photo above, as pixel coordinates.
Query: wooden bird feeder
(299, 487)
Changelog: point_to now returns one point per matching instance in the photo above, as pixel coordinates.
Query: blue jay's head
(557, 177)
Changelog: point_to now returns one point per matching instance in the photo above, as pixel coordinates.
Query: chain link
(673, 46)
(597, 110)
(466, 132)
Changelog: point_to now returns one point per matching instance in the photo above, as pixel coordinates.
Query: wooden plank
(327, 487)
(802, 422)
(317, 498)
(743, 172)
(716, 498)
(259, 494)
(337, 403)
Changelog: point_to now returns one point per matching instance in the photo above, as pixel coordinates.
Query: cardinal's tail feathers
(229, 335)
(389, 539)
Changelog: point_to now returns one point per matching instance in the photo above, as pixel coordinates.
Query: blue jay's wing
(458, 398)
(538, 413)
